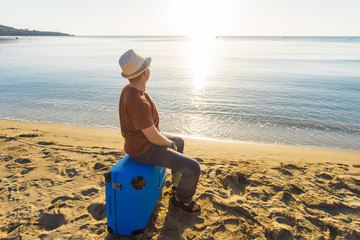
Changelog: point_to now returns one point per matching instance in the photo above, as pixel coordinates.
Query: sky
(186, 17)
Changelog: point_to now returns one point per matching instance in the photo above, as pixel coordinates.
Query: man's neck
(140, 85)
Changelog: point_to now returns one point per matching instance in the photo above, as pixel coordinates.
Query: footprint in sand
(11, 166)
(283, 171)
(70, 172)
(82, 217)
(8, 139)
(97, 211)
(45, 143)
(28, 135)
(6, 158)
(281, 233)
(293, 167)
(283, 217)
(26, 170)
(295, 189)
(325, 176)
(52, 220)
(98, 229)
(22, 160)
(100, 166)
(287, 198)
(89, 192)
(65, 198)
(237, 181)
(199, 160)
(46, 153)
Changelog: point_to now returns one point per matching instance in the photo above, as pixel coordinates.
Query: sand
(52, 187)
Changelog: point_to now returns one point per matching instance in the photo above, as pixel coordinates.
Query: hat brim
(145, 66)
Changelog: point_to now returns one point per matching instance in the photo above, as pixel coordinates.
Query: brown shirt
(137, 111)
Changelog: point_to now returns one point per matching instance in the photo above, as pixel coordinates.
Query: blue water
(295, 90)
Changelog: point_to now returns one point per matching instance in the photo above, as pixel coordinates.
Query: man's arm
(153, 135)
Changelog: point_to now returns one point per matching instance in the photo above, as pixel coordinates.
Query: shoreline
(52, 179)
(192, 139)
(232, 151)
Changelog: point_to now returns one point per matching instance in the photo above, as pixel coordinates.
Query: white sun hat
(132, 64)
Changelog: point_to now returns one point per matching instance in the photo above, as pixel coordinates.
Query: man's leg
(188, 167)
(176, 175)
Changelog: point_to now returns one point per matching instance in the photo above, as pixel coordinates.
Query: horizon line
(187, 36)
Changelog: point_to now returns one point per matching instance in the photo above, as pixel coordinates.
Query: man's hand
(173, 146)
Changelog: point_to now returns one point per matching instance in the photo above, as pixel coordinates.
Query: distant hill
(10, 31)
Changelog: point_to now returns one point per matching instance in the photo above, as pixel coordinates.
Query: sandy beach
(52, 187)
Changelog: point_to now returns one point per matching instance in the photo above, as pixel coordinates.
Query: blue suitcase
(132, 191)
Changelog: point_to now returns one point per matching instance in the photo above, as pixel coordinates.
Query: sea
(302, 91)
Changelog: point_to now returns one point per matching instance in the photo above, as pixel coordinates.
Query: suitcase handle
(161, 181)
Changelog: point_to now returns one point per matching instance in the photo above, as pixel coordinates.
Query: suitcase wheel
(138, 183)
(109, 229)
(107, 177)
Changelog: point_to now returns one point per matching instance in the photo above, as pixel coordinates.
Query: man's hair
(135, 79)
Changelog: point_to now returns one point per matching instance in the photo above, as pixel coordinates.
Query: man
(139, 121)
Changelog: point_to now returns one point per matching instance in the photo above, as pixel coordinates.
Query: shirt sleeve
(140, 114)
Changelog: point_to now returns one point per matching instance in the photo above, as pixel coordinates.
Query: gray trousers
(176, 161)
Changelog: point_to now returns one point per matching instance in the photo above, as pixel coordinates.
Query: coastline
(52, 186)
(202, 147)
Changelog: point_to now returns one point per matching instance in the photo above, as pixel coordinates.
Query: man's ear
(146, 72)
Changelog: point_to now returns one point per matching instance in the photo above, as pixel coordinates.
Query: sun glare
(200, 51)
(201, 21)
